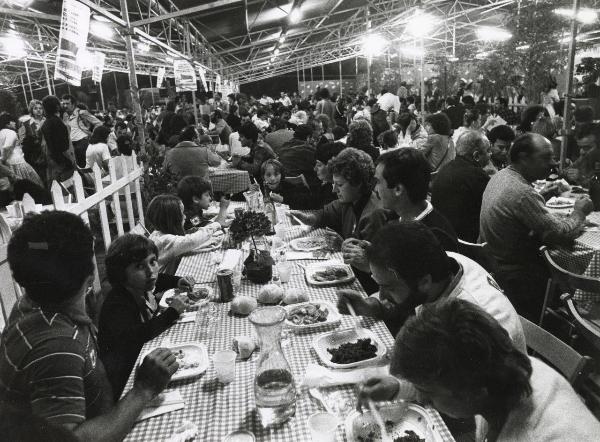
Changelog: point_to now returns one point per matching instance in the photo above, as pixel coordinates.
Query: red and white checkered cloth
(219, 409)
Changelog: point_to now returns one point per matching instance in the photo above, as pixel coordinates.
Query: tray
(336, 338)
(403, 417)
(194, 352)
(297, 244)
(311, 269)
(171, 292)
(333, 318)
(560, 203)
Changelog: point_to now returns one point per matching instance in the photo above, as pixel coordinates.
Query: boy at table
(49, 364)
(411, 268)
(463, 362)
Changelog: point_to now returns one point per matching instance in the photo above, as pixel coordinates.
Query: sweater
(187, 158)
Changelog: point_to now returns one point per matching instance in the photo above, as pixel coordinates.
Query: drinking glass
(285, 270)
(322, 427)
(224, 364)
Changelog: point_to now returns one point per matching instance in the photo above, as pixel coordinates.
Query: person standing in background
(81, 123)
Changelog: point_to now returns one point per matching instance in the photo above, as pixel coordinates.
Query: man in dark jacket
(454, 113)
(298, 156)
(60, 157)
(459, 185)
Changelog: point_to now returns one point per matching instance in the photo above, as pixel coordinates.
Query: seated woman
(129, 316)
(166, 217)
(324, 153)
(463, 362)
(349, 215)
(439, 148)
(282, 191)
(196, 195)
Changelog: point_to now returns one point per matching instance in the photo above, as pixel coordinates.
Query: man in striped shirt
(49, 364)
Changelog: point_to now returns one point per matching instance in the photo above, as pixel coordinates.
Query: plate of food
(308, 244)
(310, 315)
(192, 358)
(559, 202)
(349, 348)
(404, 422)
(328, 273)
(195, 298)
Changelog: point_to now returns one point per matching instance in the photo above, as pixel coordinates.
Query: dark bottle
(595, 187)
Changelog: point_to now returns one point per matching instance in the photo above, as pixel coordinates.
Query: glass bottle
(595, 187)
(270, 210)
(274, 390)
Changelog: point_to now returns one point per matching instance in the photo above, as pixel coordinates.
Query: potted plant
(259, 264)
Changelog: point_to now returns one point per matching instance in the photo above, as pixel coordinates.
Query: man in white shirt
(285, 100)
(388, 101)
(81, 123)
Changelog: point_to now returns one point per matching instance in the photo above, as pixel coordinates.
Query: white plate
(171, 292)
(333, 318)
(403, 416)
(336, 338)
(311, 269)
(195, 352)
(560, 203)
(302, 244)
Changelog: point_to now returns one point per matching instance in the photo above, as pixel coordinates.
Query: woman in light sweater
(166, 217)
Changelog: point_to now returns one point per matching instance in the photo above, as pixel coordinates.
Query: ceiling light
(276, 51)
(282, 38)
(101, 30)
(585, 15)
(14, 46)
(272, 59)
(421, 24)
(489, 33)
(143, 47)
(295, 15)
(373, 44)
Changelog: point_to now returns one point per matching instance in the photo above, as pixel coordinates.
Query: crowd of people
(396, 186)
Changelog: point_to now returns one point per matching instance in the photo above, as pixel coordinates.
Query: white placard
(98, 69)
(160, 76)
(74, 27)
(185, 76)
(218, 83)
(203, 78)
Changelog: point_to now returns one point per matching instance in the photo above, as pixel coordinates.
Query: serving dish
(338, 337)
(333, 316)
(193, 305)
(328, 273)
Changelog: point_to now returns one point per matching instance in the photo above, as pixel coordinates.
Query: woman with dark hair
(360, 136)
(166, 218)
(439, 147)
(349, 215)
(196, 195)
(410, 132)
(97, 151)
(549, 97)
(129, 317)
(282, 191)
(529, 116)
(465, 365)
(60, 155)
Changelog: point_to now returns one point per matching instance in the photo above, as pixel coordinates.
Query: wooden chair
(297, 180)
(561, 356)
(564, 281)
(478, 253)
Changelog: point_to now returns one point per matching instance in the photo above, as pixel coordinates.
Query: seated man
(298, 156)
(515, 223)
(49, 365)
(464, 364)
(500, 137)
(259, 151)
(582, 170)
(411, 269)
(459, 185)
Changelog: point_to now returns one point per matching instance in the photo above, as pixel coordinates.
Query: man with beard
(411, 268)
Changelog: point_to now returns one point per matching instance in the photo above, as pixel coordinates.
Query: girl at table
(196, 195)
(166, 216)
(464, 364)
(129, 316)
(282, 191)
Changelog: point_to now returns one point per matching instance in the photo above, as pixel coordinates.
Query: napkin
(231, 259)
(317, 376)
(187, 317)
(163, 403)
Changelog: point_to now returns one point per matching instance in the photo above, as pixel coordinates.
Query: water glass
(216, 257)
(280, 231)
(224, 364)
(285, 270)
(322, 427)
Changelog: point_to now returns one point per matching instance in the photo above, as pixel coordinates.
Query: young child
(281, 191)
(196, 195)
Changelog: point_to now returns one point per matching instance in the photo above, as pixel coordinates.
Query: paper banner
(74, 27)
(160, 77)
(218, 83)
(203, 78)
(185, 76)
(98, 69)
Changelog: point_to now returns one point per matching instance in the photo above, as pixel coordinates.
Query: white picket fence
(108, 189)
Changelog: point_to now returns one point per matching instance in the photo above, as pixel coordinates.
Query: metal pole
(311, 75)
(298, 77)
(118, 103)
(323, 74)
(47, 76)
(24, 91)
(368, 75)
(151, 90)
(101, 95)
(28, 78)
(341, 85)
(189, 51)
(303, 76)
(422, 75)
(133, 84)
(569, 85)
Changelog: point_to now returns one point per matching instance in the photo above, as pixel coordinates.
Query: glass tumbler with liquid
(274, 390)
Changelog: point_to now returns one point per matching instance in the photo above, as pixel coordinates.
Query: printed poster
(160, 76)
(98, 69)
(185, 76)
(74, 28)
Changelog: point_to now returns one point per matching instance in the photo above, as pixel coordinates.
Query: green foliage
(156, 180)
(249, 225)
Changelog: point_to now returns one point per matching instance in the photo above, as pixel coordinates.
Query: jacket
(350, 220)
(187, 158)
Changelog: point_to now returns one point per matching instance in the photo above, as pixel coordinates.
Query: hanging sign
(98, 69)
(203, 78)
(218, 83)
(185, 76)
(74, 27)
(160, 76)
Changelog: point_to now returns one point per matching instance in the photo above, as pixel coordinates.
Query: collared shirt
(515, 223)
(49, 365)
(388, 102)
(77, 122)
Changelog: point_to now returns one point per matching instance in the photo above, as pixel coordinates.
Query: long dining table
(219, 409)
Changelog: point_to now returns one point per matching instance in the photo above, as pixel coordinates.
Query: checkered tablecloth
(219, 409)
(228, 180)
(583, 259)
